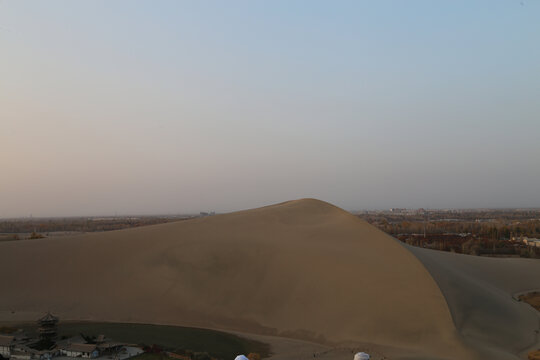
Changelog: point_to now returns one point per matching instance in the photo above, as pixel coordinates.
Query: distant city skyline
(211, 213)
(137, 107)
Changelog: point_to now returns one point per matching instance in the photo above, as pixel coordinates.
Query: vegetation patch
(532, 298)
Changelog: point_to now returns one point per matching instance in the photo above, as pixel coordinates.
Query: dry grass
(532, 298)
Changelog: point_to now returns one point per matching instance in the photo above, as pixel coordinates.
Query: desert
(302, 269)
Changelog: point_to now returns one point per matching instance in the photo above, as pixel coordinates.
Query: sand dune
(302, 269)
(479, 293)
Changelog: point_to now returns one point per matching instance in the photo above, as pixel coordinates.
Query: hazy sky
(136, 107)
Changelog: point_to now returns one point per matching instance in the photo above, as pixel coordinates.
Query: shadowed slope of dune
(479, 292)
(302, 268)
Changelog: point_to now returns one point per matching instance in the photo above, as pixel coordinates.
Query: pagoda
(48, 328)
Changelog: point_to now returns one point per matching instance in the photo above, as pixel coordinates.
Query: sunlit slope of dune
(302, 268)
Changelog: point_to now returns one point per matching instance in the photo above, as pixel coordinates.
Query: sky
(166, 107)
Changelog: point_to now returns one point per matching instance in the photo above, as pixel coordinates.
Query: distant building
(533, 242)
(89, 351)
(22, 347)
(528, 241)
(23, 352)
(204, 213)
(6, 345)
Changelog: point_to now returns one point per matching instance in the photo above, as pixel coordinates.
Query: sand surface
(480, 293)
(301, 269)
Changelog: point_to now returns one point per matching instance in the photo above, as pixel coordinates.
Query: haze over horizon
(133, 107)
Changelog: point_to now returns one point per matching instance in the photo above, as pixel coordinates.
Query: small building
(89, 351)
(23, 352)
(531, 242)
(130, 351)
(21, 355)
(6, 345)
(109, 348)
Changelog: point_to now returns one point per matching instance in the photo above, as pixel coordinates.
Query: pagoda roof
(49, 318)
(47, 330)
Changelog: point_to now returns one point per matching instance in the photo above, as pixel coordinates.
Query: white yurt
(361, 356)
(242, 357)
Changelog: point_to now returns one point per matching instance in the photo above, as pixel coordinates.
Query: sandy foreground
(303, 270)
(294, 349)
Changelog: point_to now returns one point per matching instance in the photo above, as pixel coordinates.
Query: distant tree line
(474, 233)
(44, 226)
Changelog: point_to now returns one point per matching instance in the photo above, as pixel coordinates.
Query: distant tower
(48, 328)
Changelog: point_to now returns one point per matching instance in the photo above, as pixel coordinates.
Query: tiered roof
(49, 318)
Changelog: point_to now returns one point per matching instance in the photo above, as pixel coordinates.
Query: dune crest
(301, 268)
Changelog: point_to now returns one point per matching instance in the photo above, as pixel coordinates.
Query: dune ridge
(301, 268)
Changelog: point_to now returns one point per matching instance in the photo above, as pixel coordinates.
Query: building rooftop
(80, 347)
(6, 340)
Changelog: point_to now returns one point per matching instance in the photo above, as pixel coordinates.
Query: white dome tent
(362, 356)
(243, 357)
